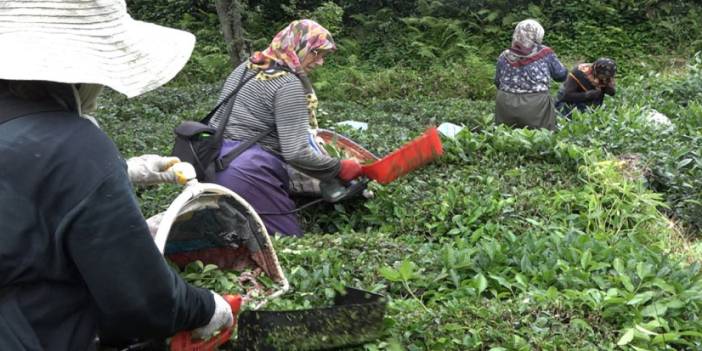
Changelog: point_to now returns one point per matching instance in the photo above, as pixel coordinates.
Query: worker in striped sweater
(280, 97)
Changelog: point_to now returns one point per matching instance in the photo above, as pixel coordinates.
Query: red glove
(350, 170)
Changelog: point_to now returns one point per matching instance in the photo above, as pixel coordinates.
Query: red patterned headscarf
(288, 49)
(291, 44)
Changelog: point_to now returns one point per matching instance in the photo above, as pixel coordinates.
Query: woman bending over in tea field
(587, 85)
(277, 96)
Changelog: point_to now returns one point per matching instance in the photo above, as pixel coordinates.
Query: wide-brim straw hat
(93, 41)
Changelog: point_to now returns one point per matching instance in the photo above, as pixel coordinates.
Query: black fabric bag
(199, 144)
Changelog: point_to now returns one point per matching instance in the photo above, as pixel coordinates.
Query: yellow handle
(184, 172)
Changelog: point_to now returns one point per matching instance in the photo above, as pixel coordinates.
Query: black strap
(223, 162)
(8, 118)
(582, 80)
(225, 120)
(16, 108)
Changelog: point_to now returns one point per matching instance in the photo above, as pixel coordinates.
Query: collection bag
(199, 144)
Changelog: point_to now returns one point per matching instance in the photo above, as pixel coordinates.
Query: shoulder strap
(16, 108)
(243, 81)
(223, 162)
(7, 118)
(581, 79)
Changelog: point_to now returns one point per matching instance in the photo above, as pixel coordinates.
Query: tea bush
(471, 78)
(514, 240)
(672, 154)
(443, 48)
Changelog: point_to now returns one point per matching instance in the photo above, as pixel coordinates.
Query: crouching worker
(586, 86)
(76, 253)
(523, 77)
(276, 106)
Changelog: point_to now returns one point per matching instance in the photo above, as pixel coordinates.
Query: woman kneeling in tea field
(586, 86)
(523, 75)
(278, 97)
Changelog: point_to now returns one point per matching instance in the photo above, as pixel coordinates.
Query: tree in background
(229, 14)
(418, 34)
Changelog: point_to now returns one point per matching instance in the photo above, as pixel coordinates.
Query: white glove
(152, 169)
(221, 318)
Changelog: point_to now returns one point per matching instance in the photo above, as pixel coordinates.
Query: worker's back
(40, 185)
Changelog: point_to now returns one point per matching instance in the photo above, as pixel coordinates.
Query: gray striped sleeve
(278, 102)
(292, 124)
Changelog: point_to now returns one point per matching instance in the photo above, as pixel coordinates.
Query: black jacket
(75, 250)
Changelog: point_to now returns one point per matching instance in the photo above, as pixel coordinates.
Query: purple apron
(260, 177)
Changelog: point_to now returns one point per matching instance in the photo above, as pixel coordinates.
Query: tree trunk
(238, 32)
(229, 13)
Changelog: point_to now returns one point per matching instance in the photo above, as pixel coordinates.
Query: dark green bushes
(672, 155)
(470, 79)
(515, 239)
(419, 38)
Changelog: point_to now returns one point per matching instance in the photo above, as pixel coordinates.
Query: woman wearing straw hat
(523, 76)
(76, 251)
(279, 98)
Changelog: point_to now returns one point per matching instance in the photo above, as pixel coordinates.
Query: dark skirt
(529, 110)
(261, 178)
(566, 108)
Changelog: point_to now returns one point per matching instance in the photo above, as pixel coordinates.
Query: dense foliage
(515, 240)
(582, 239)
(442, 48)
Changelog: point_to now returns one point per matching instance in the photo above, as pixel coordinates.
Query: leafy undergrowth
(515, 240)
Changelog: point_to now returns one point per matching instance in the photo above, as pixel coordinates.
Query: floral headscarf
(528, 34)
(526, 44)
(288, 49)
(290, 46)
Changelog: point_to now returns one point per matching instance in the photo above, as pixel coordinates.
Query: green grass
(514, 240)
